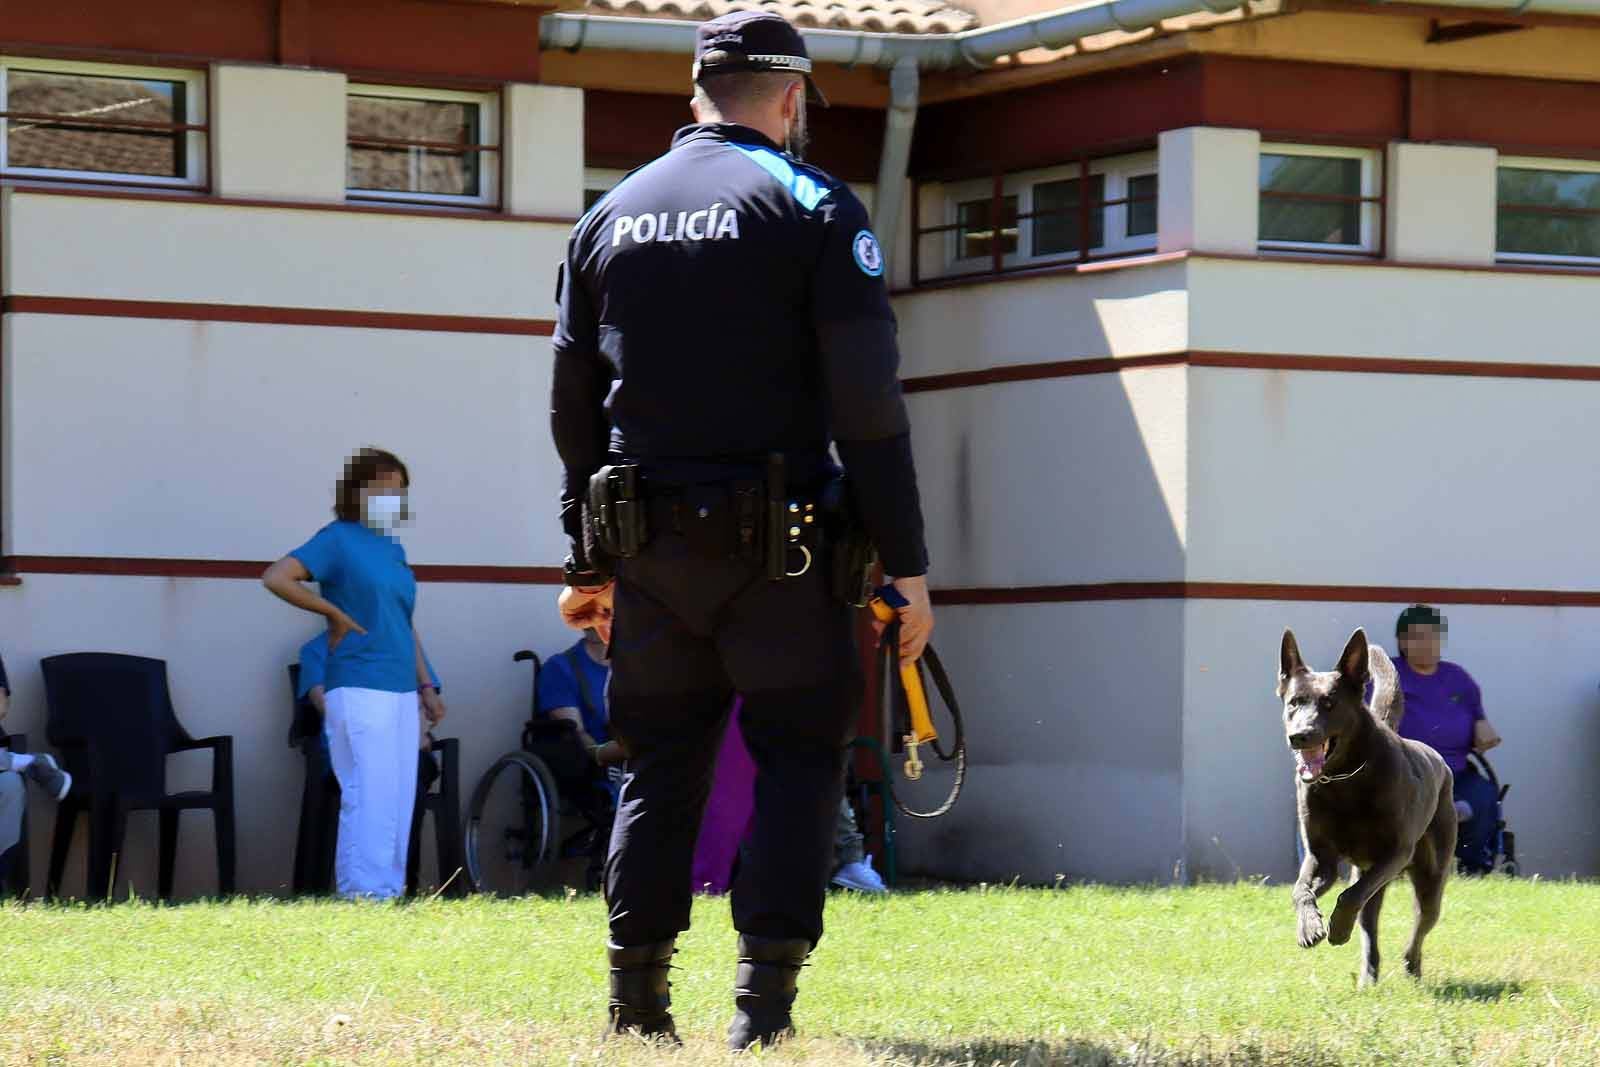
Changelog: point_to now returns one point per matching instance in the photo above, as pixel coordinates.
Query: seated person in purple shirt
(1444, 710)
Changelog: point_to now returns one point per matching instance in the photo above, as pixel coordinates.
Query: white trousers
(372, 743)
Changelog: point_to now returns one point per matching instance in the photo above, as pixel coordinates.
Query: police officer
(722, 306)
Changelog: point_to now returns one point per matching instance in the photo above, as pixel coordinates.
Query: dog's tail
(1388, 702)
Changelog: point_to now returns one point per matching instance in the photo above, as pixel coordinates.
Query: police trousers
(689, 632)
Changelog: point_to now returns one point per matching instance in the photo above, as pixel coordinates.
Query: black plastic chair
(317, 839)
(18, 878)
(317, 835)
(112, 720)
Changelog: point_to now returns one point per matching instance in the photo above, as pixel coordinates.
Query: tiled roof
(880, 16)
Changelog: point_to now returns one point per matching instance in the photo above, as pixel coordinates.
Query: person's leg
(363, 738)
(790, 650)
(668, 697)
(406, 724)
(1475, 835)
(848, 842)
(13, 805)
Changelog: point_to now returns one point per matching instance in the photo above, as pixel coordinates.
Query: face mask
(383, 512)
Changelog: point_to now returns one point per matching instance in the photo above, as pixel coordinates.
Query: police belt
(787, 531)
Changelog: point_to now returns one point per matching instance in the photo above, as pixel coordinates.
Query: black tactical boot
(639, 991)
(764, 990)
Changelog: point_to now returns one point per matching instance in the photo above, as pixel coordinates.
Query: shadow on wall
(1073, 706)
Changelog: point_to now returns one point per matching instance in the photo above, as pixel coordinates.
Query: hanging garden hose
(906, 681)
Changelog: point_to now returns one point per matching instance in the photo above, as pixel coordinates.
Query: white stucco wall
(1073, 714)
(544, 160)
(278, 133)
(1443, 199)
(1041, 320)
(1055, 482)
(279, 257)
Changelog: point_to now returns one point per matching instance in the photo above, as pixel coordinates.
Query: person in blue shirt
(313, 685)
(572, 687)
(378, 686)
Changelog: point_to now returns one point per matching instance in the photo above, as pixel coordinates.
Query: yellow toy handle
(922, 730)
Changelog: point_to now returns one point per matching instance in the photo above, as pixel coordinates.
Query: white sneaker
(859, 876)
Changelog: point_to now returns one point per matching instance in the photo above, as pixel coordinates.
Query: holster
(615, 521)
(852, 558)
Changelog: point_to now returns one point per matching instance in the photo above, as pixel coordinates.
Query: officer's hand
(916, 618)
(583, 608)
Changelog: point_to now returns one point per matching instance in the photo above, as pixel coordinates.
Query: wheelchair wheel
(513, 829)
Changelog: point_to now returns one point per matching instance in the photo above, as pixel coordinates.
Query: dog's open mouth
(1309, 761)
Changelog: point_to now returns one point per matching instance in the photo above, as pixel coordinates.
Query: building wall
(1105, 452)
(183, 380)
(1225, 445)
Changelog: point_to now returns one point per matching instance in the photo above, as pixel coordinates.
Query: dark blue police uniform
(723, 303)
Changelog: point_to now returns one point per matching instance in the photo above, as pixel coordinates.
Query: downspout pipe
(895, 161)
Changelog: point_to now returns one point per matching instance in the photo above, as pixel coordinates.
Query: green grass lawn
(1082, 975)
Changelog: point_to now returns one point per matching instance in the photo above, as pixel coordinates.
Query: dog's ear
(1353, 661)
(1289, 661)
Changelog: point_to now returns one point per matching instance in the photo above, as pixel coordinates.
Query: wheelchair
(537, 808)
(1503, 842)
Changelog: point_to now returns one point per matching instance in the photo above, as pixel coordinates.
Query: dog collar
(1326, 778)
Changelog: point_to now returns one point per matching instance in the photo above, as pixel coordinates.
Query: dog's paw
(1342, 924)
(1312, 931)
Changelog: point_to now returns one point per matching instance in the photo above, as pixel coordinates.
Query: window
(1319, 199)
(1548, 210)
(94, 122)
(1087, 210)
(597, 182)
(979, 225)
(430, 146)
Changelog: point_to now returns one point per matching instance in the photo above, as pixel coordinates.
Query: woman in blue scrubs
(377, 677)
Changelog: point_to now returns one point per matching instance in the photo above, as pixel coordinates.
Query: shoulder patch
(802, 186)
(868, 256)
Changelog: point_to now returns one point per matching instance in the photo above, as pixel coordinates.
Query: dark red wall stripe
(1071, 368)
(151, 567)
(1034, 594)
(276, 316)
(392, 208)
(1354, 594)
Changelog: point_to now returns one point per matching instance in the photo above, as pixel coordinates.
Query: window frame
(601, 180)
(1372, 198)
(1571, 166)
(196, 129)
(1118, 171)
(488, 150)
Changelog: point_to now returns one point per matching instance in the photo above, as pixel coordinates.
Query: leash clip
(913, 761)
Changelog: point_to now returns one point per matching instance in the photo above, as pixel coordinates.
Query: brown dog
(1365, 795)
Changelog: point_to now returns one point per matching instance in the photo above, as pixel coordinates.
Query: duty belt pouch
(792, 535)
(853, 557)
(615, 514)
(707, 521)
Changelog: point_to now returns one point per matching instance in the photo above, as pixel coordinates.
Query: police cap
(743, 41)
